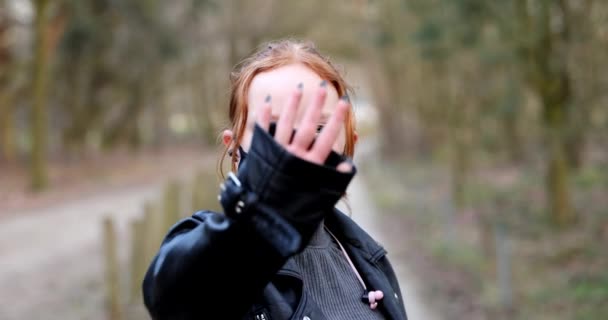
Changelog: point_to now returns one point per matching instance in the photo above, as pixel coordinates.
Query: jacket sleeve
(212, 266)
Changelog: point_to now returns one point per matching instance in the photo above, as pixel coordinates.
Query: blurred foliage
(507, 96)
(514, 81)
(137, 73)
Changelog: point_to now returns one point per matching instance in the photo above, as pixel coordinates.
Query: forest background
(491, 131)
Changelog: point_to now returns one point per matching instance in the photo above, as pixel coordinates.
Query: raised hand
(300, 145)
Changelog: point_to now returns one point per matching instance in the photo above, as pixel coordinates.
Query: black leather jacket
(238, 265)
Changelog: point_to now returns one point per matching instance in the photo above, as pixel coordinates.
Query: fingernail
(323, 83)
(345, 98)
(300, 86)
(267, 99)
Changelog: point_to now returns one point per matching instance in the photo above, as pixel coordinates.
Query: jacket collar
(352, 235)
(363, 249)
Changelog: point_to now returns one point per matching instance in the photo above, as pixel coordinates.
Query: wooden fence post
(154, 230)
(113, 303)
(503, 268)
(198, 188)
(171, 204)
(138, 258)
(204, 192)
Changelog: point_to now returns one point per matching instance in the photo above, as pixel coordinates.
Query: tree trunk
(125, 129)
(460, 104)
(7, 127)
(234, 35)
(547, 73)
(385, 96)
(7, 141)
(384, 89)
(205, 105)
(77, 77)
(510, 120)
(555, 89)
(576, 141)
(38, 170)
(558, 191)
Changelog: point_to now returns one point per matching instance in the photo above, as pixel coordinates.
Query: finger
(287, 117)
(345, 167)
(308, 127)
(263, 118)
(330, 132)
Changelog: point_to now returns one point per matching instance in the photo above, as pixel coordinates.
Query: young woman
(280, 250)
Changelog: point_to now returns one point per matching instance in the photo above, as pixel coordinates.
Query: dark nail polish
(267, 98)
(300, 86)
(345, 98)
(323, 83)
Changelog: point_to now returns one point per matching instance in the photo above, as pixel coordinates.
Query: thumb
(345, 167)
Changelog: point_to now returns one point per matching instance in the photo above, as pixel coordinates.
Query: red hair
(272, 56)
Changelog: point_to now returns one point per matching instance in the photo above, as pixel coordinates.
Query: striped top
(330, 280)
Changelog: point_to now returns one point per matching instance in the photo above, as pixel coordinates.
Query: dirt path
(366, 214)
(51, 263)
(51, 260)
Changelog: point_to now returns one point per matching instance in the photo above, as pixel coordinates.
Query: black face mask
(271, 131)
(243, 153)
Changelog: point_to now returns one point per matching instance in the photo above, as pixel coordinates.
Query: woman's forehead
(281, 82)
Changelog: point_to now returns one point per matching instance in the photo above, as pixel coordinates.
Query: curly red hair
(271, 56)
